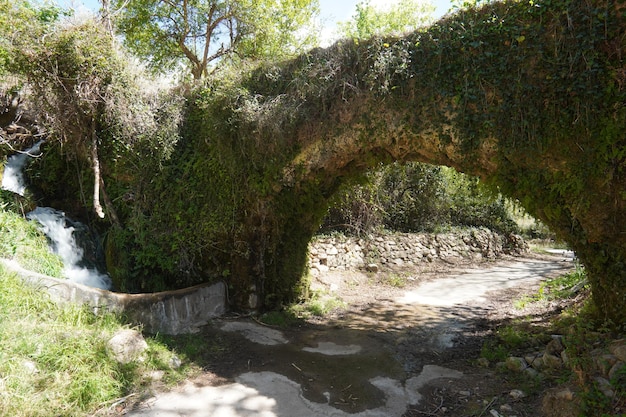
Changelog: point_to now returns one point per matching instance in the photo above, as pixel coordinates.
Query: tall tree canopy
(201, 32)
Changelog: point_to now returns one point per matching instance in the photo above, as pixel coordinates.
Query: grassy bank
(53, 358)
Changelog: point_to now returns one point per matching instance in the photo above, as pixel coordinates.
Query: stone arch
(530, 97)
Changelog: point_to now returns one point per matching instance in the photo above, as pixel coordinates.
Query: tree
(402, 17)
(21, 23)
(203, 32)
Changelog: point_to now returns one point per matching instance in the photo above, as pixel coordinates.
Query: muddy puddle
(332, 366)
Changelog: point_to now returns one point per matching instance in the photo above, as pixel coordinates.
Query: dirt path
(405, 345)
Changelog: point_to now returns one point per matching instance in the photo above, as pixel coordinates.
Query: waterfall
(61, 231)
(62, 234)
(13, 178)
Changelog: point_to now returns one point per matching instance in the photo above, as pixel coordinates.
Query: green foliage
(54, 360)
(318, 305)
(417, 197)
(204, 32)
(562, 287)
(494, 352)
(21, 22)
(402, 17)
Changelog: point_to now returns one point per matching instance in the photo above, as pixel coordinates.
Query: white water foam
(54, 225)
(13, 177)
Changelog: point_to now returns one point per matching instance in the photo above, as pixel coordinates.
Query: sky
(331, 11)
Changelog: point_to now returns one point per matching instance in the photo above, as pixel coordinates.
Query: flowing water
(61, 231)
(13, 178)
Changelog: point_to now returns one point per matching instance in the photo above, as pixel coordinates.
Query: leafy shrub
(417, 197)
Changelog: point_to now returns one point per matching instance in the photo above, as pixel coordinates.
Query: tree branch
(96, 170)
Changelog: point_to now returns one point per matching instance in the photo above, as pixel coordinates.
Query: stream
(69, 239)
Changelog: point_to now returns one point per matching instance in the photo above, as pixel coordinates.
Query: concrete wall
(168, 312)
(185, 310)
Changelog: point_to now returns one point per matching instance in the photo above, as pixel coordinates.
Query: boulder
(560, 402)
(618, 348)
(127, 346)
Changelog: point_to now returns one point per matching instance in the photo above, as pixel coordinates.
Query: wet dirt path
(375, 358)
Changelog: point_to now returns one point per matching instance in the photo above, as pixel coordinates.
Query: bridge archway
(528, 97)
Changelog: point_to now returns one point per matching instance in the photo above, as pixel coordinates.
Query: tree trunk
(95, 160)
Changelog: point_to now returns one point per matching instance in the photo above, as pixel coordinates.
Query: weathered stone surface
(555, 347)
(516, 394)
(618, 348)
(560, 402)
(401, 249)
(619, 369)
(604, 385)
(516, 364)
(127, 346)
(552, 361)
(535, 360)
(604, 363)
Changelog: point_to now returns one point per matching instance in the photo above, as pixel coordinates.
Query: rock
(506, 408)
(30, 366)
(618, 373)
(465, 393)
(516, 394)
(560, 402)
(157, 375)
(332, 251)
(618, 348)
(605, 386)
(555, 347)
(552, 361)
(483, 362)
(531, 372)
(127, 346)
(604, 363)
(175, 362)
(371, 268)
(516, 364)
(535, 360)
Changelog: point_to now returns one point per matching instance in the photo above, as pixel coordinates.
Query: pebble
(516, 394)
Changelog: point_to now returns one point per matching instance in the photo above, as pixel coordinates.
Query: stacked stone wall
(408, 249)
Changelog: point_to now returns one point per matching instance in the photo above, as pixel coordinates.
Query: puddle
(333, 349)
(330, 366)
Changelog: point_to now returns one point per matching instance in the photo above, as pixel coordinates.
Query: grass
(396, 280)
(53, 357)
(319, 305)
(54, 360)
(562, 287)
(23, 242)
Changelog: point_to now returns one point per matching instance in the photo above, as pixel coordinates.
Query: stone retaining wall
(168, 312)
(402, 249)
